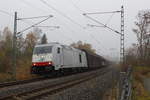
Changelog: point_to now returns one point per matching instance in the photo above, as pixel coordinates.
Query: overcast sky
(73, 25)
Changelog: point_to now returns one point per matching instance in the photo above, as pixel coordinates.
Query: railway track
(13, 83)
(6, 84)
(38, 89)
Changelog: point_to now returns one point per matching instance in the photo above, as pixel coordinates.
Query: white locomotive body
(54, 57)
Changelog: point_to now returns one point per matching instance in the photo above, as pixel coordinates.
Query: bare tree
(142, 28)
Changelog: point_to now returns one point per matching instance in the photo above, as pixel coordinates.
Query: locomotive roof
(48, 44)
(56, 43)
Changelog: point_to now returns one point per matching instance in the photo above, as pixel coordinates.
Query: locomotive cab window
(58, 50)
(80, 58)
(42, 50)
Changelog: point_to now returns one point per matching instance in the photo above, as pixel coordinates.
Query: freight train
(55, 57)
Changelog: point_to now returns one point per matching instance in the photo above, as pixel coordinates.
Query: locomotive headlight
(34, 64)
(50, 63)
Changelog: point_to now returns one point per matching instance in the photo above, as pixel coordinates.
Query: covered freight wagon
(94, 60)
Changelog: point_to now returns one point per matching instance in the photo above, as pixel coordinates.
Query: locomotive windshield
(42, 50)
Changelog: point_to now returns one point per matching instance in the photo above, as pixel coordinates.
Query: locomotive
(55, 57)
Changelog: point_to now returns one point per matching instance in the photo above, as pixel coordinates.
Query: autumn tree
(24, 49)
(85, 46)
(30, 42)
(6, 50)
(44, 39)
(142, 28)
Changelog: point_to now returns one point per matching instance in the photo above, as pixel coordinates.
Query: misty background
(73, 25)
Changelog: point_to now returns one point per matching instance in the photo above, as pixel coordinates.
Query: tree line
(24, 48)
(139, 53)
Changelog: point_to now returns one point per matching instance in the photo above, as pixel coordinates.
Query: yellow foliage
(142, 71)
(23, 70)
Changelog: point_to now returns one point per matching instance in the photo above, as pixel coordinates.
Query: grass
(22, 72)
(5, 77)
(139, 92)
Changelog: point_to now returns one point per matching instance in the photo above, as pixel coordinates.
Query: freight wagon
(55, 57)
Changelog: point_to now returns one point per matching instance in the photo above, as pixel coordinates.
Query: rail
(5, 84)
(40, 88)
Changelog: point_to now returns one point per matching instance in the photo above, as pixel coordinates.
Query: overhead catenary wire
(35, 17)
(66, 26)
(11, 15)
(48, 26)
(121, 33)
(62, 31)
(91, 36)
(32, 6)
(19, 33)
(76, 6)
(61, 13)
(102, 12)
(101, 24)
(107, 22)
(34, 25)
(98, 42)
(78, 9)
(7, 13)
(63, 24)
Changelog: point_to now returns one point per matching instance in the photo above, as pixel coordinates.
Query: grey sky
(71, 32)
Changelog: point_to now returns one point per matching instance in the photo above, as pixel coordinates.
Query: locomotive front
(42, 59)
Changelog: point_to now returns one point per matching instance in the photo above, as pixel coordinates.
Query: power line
(76, 6)
(32, 6)
(29, 4)
(109, 19)
(97, 41)
(90, 34)
(121, 33)
(101, 23)
(48, 26)
(61, 13)
(34, 17)
(103, 12)
(65, 16)
(66, 26)
(34, 24)
(7, 13)
(85, 14)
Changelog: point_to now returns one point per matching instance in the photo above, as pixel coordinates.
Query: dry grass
(5, 77)
(139, 92)
(23, 70)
